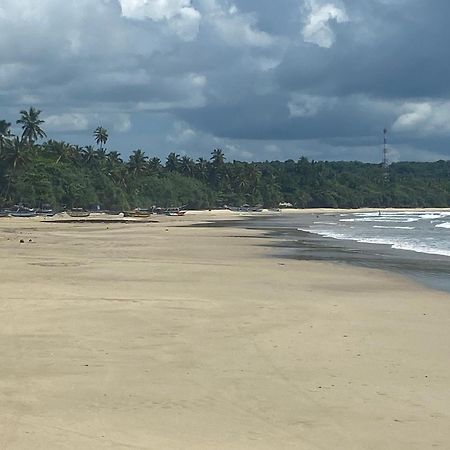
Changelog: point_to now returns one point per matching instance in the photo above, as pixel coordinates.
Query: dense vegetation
(62, 174)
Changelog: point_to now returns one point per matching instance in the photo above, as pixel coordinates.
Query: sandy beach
(161, 336)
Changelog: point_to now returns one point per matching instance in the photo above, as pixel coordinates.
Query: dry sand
(154, 336)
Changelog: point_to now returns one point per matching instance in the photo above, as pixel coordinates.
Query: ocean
(421, 232)
(413, 243)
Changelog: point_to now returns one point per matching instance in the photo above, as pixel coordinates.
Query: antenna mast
(385, 150)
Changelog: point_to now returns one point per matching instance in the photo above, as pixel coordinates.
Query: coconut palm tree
(101, 136)
(63, 151)
(5, 133)
(15, 155)
(113, 164)
(253, 175)
(89, 154)
(217, 157)
(114, 158)
(101, 153)
(137, 162)
(218, 166)
(154, 164)
(172, 162)
(31, 125)
(202, 169)
(187, 166)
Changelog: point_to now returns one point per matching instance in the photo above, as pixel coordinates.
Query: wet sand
(433, 270)
(152, 335)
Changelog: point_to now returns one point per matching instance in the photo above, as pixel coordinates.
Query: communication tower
(385, 149)
(385, 163)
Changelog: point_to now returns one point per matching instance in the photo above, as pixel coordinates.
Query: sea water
(414, 243)
(421, 232)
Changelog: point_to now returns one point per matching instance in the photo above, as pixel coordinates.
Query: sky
(260, 79)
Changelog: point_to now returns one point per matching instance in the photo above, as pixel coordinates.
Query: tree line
(65, 175)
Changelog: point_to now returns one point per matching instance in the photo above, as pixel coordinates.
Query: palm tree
(77, 155)
(187, 166)
(120, 176)
(253, 175)
(218, 166)
(137, 162)
(113, 165)
(89, 154)
(217, 157)
(172, 162)
(62, 150)
(154, 164)
(114, 157)
(101, 160)
(101, 136)
(101, 154)
(5, 133)
(202, 169)
(31, 125)
(16, 155)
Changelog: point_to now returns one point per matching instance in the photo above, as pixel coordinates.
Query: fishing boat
(23, 212)
(245, 208)
(45, 210)
(137, 213)
(78, 212)
(175, 212)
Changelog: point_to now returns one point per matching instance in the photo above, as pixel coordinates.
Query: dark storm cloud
(262, 79)
(396, 49)
(268, 117)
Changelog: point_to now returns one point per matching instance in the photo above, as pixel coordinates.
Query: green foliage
(62, 174)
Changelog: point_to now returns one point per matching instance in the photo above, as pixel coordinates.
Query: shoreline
(431, 270)
(163, 335)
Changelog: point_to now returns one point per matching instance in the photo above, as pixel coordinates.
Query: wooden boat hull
(78, 213)
(136, 214)
(23, 213)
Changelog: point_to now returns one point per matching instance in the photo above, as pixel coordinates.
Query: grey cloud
(238, 75)
(388, 49)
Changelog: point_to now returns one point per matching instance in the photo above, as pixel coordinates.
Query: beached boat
(137, 213)
(174, 212)
(45, 212)
(45, 209)
(78, 212)
(245, 208)
(23, 212)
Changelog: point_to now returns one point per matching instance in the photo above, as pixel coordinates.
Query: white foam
(397, 219)
(421, 249)
(431, 216)
(435, 215)
(418, 231)
(394, 228)
(443, 225)
(371, 214)
(325, 223)
(398, 244)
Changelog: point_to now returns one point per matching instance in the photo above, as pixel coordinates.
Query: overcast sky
(261, 79)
